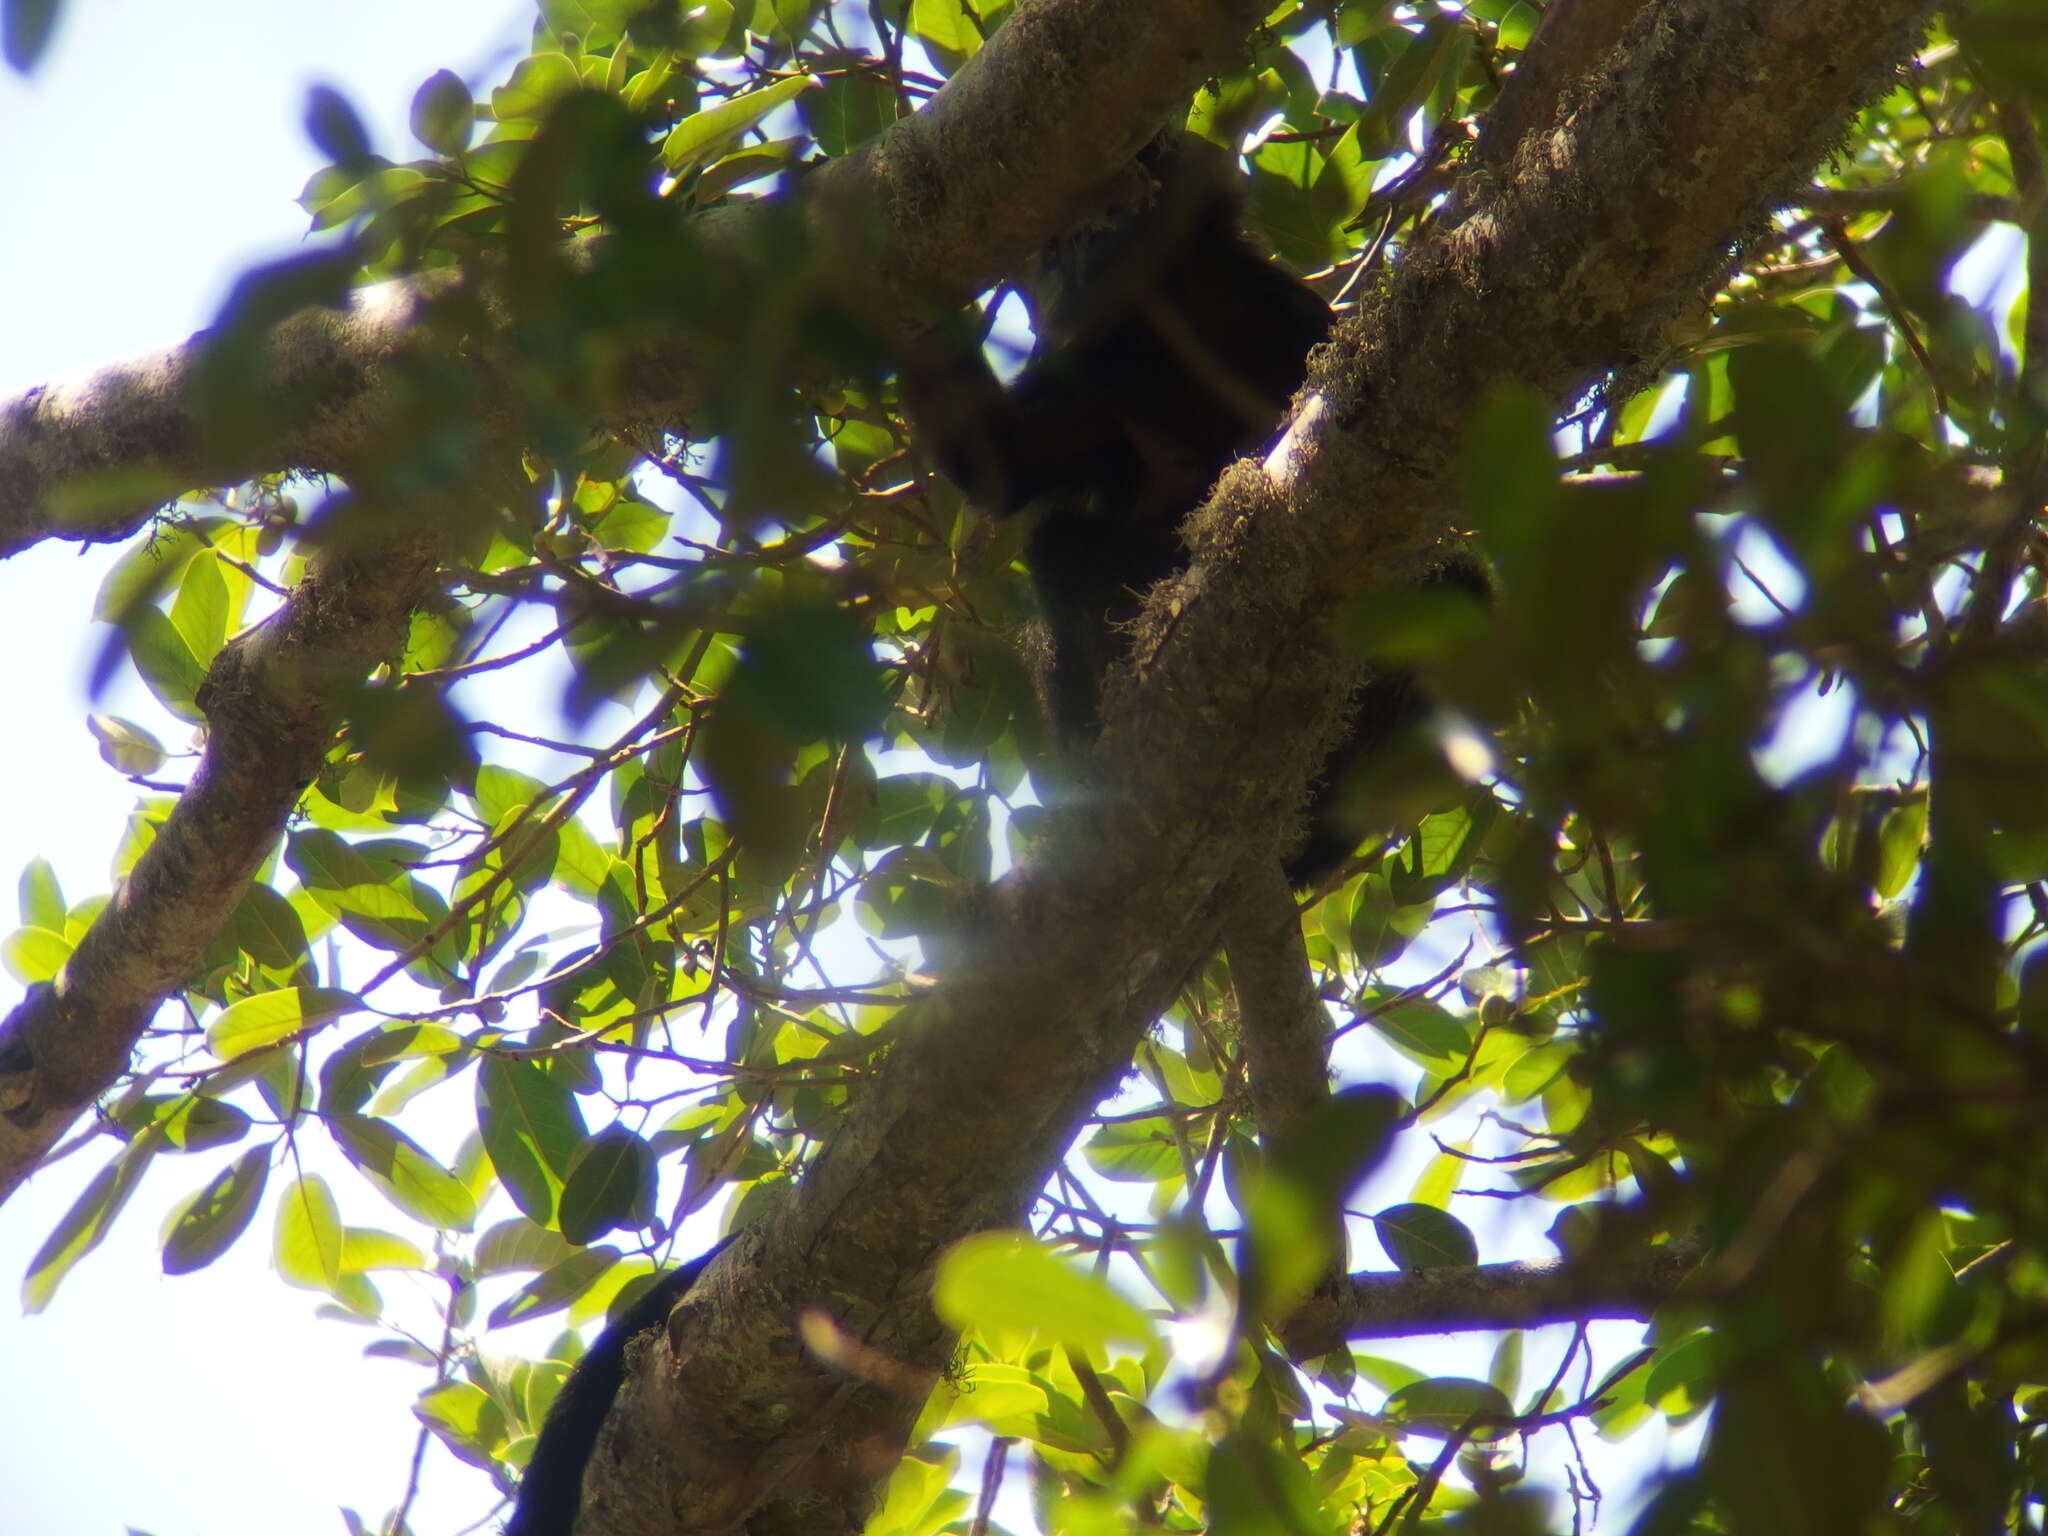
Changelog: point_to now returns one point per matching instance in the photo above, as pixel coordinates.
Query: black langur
(551, 1487)
(1168, 346)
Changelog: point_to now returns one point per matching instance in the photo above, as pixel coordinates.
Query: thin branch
(1528, 1294)
(1283, 1027)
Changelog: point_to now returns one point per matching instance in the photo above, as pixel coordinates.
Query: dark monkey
(1168, 346)
(551, 1488)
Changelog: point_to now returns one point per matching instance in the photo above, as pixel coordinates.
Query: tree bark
(1622, 206)
(1643, 160)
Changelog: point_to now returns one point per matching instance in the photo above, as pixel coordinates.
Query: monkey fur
(551, 1487)
(1168, 346)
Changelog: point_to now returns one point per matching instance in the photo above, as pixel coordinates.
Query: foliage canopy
(1725, 961)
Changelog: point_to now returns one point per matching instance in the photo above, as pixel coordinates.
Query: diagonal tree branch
(952, 215)
(934, 212)
(1627, 201)
(269, 700)
(1618, 204)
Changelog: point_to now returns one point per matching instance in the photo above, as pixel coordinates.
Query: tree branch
(934, 212)
(270, 703)
(1629, 202)
(1622, 199)
(955, 214)
(1283, 1028)
(1524, 1295)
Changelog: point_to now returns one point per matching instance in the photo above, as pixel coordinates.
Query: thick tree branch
(269, 700)
(1625, 193)
(936, 211)
(1576, 35)
(91, 461)
(1624, 204)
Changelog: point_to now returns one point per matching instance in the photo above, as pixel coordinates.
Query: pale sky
(154, 155)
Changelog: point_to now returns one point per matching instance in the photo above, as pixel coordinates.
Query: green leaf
(34, 955)
(1423, 1237)
(369, 189)
(1794, 437)
(201, 610)
(465, 1418)
(268, 1017)
(1426, 1033)
(1900, 840)
(332, 125)
(1536, 1069)
(148, 569)
(267, 928)
(1506, 1371)
(1008, 1399)
(366, 1248)
(708, 134)
(308, 1242)
(26, 28)
(580, 865)
(205, 1226)
(518, 1244)
(611, 1185)
(1443, 1406)
(1134, 1151)
(1516, 27)
(537, 83)
(1682, 1378)
(401, 1168)
(192, 1122)
(373, 901)
(594, 24)
(532, 1129)
(1917, 1282)
(500, 791)
(555, 1288)
(1510, 475)
(633, 524)
(919, 1499)
(1254, 1488)
(847, 111)
(443, 114)
(165, 662)
(412, 734)
(80, 1228)
(42, 898)
(126, 746)
(1003, 1285)
(947, 28)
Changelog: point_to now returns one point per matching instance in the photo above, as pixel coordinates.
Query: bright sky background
(154, 155)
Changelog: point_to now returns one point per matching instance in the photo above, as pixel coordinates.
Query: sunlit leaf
(1005, 1285)
(704, 135)
(126, 745)
(401, 1168)
(309, 1240)
(1423, 1237)
(268, 1017)
(206, 1225)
